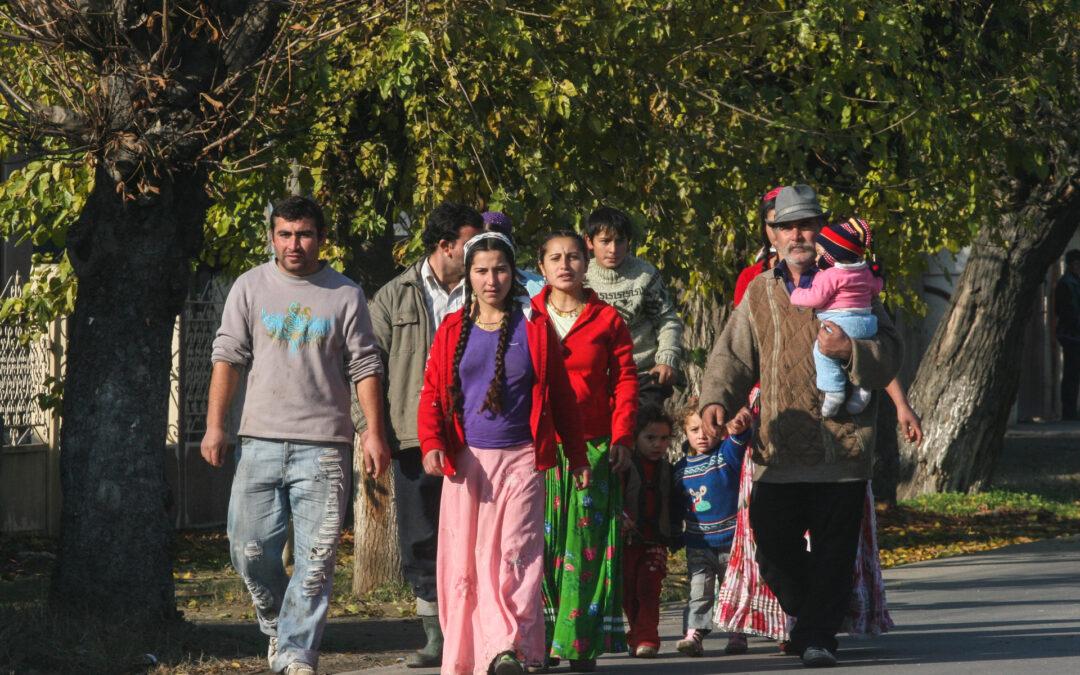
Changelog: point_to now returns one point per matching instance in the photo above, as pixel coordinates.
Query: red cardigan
(552, 398)
(600, 361)
(746, 276)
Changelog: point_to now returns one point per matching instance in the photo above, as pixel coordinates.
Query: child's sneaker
(691, 644)
(645, 652)
(831, 405)
(857, 402)
(736, 644)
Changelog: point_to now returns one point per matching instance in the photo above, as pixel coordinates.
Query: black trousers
(813, 586)
(417, 496)
(1070, 378)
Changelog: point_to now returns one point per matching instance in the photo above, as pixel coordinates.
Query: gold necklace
(566, 314)
(488, 325)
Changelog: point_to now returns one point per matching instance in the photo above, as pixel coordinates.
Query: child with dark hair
(708, 480)
(841, 292)
(495, 393)
(653, 524)
(636, 289)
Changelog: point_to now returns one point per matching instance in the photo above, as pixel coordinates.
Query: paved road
(1014, 610)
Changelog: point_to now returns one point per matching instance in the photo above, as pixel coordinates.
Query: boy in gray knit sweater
(636, 289)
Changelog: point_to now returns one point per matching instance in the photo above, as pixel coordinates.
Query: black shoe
(582, 665)
(818, 657)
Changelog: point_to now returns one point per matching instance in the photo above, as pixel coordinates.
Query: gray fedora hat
(797, 202)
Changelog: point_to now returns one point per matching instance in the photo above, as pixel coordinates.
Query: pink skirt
(491, 559)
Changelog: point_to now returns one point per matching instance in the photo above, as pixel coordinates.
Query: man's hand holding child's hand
(742, 421)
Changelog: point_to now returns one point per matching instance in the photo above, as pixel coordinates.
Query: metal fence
(200, 492)
(23, 371)
(29, 460)
(198, 325)
(29, 463)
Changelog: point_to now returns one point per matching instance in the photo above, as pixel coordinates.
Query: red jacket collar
(593, 304)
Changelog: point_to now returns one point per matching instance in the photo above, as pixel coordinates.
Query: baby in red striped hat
(842, 292)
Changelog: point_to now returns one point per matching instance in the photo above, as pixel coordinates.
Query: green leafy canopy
(682, 113)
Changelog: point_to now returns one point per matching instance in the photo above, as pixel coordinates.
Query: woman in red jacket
(583, 556)
(495, 393)
(766, 257)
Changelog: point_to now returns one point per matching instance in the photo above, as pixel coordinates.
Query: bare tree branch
(156, 86)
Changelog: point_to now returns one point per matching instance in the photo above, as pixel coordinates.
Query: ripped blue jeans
(275, 480)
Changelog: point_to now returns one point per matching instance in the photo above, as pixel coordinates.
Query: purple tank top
(511, 427)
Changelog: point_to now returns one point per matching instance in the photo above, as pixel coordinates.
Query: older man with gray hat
(811, 472)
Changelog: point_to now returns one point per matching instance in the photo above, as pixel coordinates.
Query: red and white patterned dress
(746, 605)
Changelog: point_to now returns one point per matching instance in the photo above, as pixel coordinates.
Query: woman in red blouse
(583, 554)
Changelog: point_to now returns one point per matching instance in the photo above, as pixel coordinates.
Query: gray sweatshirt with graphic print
(303, 340)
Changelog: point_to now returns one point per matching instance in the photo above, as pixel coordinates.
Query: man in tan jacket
(811, 471)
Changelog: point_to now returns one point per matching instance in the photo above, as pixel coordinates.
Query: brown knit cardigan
(769, 340)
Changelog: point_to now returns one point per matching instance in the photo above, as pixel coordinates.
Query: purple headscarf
(499, 221)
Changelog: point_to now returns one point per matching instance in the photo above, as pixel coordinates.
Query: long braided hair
(493, 401)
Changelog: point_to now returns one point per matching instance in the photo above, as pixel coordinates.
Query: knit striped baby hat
(845, 242)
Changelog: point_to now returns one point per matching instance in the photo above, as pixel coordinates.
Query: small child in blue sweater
(708, 478)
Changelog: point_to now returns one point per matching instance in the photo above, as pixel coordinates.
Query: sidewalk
(1052, 430)
(1013, 610)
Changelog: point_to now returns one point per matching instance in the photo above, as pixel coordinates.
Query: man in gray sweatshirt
(302, 332)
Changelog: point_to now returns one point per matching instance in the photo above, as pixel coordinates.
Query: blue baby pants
(830, 371)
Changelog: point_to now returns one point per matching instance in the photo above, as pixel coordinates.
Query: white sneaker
(299, 668)
(857, 402)
(271, 651)
(831, 405)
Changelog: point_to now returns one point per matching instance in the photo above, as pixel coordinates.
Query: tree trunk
(131, 261)
(704, 316)
(968, 378)
(377, 560)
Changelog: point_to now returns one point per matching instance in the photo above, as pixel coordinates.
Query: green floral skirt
(583, 560)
